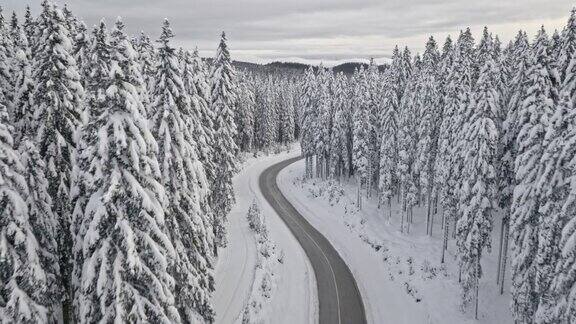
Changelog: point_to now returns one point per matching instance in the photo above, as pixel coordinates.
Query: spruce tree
(97, 73)
(534, 115)
(24, 89)
(564, 190)
(200, 96)
(389, 131)
(28, 264)
(479, 184)
(224, 94)
(147, 60)
(123, 219)
(308, 119)
(57, 99)
(6, 86)
(427, 127)
(245, 115)
(361, 123)
(339, 138)
(184, 180)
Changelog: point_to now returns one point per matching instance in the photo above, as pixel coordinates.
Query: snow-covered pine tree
(525, 224)
(97, 73)
(24, 88)
(147, 59)
(554, 189)
(442, 165)
(197, 107)
(407, 140)
(457, 65)
(6, 88)
(565, 120)
(184, 180)
(286, 113)
(58, 113)
(483, 52)
(360, 149)
(427, 126)
(28, 266)
(324, 123)
(80, 50)
(123, 219)
(388, 181)
(200, 96)
(374, 95)
(567, 46)
(28, 25)
(72, 24)
(267, 115)
(516, 62)
(462, 92)
(245, 114)
(224, 94)
(479, 184)
(339, 137)
(308, 119)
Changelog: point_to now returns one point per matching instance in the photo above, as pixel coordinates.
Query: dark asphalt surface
(338, 295)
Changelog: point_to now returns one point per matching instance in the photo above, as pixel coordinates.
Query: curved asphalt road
(340, 301)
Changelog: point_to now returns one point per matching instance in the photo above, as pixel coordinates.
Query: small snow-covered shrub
(255, 219)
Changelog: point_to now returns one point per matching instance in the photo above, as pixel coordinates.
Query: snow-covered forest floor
(294, 286)
(399, 275)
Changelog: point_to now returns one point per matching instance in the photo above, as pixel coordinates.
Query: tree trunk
(359, 194)
(476, 286)
(500, 245)
(389, 208)
(409, 220)
(403, 208)
(428, 216)
(445, 235)
(504, 254)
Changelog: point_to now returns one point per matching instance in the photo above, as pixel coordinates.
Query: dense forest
(117, 155)
(117, 158)
(477, 132)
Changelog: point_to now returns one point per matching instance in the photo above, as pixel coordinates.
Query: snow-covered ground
(399, 275)
(293, 299)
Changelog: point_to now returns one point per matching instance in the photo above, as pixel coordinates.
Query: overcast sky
(314, 30)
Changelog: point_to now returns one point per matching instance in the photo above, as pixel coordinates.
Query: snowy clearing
(295, 285)
(400, 276)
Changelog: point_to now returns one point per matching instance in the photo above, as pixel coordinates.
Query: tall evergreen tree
(58, 113)
(125, 203)
(184, 179)
(427, 127)
(28, 269)
(245, 115)
(360, 150)
(564, 191)
(534, 115)
(389, 131)
(24, 88)
(224, 94)
(479, 184)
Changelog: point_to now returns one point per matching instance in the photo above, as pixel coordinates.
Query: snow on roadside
(399, 275)
(265, 279)
(295, 284)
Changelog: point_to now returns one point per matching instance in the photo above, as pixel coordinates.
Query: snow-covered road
(339, 297)
(294, 297)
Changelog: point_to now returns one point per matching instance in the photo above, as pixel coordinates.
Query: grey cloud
(309, 28)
